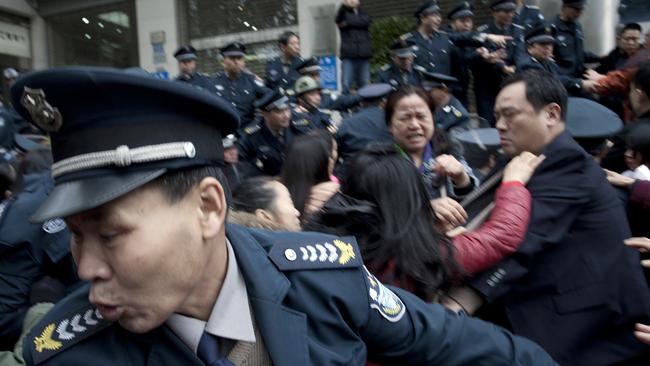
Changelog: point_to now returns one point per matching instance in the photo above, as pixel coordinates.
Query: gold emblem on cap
(43, 114)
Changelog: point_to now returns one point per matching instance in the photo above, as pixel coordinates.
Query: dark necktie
(208, 351)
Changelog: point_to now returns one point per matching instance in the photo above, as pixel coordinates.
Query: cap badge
(43, 114)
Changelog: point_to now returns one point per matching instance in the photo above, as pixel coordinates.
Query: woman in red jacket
(384, 204)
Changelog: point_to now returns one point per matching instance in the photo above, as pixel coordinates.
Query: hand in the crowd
(509, 70)
(642, 244)
(593, 75)
(642, 333)
(498, 39)
(522, 167)
(333, 129)
(447, 165)
(320, 194)
(449, 212)
(462, 298)
(494, 57)
(589, 86)
(618, 180)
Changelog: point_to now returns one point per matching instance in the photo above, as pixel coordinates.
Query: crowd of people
(231, 219)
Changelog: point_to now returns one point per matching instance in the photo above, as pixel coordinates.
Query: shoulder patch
(251, 129)
(382, 299)
(406, 36)
(532, 7)
(518, 26)
(53, 226)
(58, 336)
(482, 28)
(338, 253)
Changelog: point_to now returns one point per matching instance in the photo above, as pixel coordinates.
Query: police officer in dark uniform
(236, 84)
(330, 100)
(186, 57)
(488, 75)
(364, 127)
(28, 253)
(401, 71)
(461, 19)
(528, 16)
(307, 111)
(281, 72)
(263, 145)
(169, 283)
(540, 42)
(569, 54)
(450, 114)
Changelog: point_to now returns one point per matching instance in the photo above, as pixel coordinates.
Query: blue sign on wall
(162, 74)
(328, 77)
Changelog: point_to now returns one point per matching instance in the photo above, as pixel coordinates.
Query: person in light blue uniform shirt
(236, 84)
(170, 283)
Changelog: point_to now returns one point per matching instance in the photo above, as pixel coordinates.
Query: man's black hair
(284, 37)
(176, 184)
(542, 89)
(631, 26)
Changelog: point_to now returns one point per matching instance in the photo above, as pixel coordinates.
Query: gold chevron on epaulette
(330, 253)
(56, 336)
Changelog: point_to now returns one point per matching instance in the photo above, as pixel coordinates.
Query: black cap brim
(69, 198)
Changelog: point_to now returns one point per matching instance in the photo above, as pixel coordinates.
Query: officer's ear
(212, 207)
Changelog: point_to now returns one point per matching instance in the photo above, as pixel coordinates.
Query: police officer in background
(364, 127)
(330, 100)
(281, 72)
(450, 114)
(528, 16)
(263, 145)
(461, 19)
(170, 283)
(186, 57)
(401, 71)
(569, 54)
(488, 74)
(237, 85)
(307, 111)
(540, 42)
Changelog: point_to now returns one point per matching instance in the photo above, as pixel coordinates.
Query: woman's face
(283, 210)
(412, 123)
(632, 159)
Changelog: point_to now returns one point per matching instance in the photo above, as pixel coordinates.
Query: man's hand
(509, 70)
(449, 212)
(593, 75)
(462, 298)
(589, 86)
(618, 180)
(642, 244)
(499, 40)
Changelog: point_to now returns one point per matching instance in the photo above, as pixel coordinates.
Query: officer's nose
(91, 262)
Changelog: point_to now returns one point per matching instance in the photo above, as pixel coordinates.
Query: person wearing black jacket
(356, 49)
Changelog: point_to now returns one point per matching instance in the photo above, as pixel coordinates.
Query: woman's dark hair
(403, 232)
(252, 194)
(638, 140)
(306, 165)
(642, 77)
(439, 140)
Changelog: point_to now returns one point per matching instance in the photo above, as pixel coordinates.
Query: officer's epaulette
(289, 92)
(326, 91)
(251, 129)
(56, 336)
(406, 36)
(482, 28)
(385, 67)
(443, 32)
(330, 252)
(202, 74)
(519, 26)
(532, 7)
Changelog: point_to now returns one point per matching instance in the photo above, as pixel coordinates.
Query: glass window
(97, 36)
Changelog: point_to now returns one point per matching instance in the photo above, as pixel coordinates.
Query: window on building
(98, 36)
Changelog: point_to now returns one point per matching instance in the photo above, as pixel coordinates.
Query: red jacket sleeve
(500, 235)
(616, 82)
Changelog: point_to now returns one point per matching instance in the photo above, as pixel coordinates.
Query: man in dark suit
(572, 286)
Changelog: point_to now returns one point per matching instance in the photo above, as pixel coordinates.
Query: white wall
(154, 16)
(38, 30)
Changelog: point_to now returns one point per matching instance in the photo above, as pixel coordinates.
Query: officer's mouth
(110, 312)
